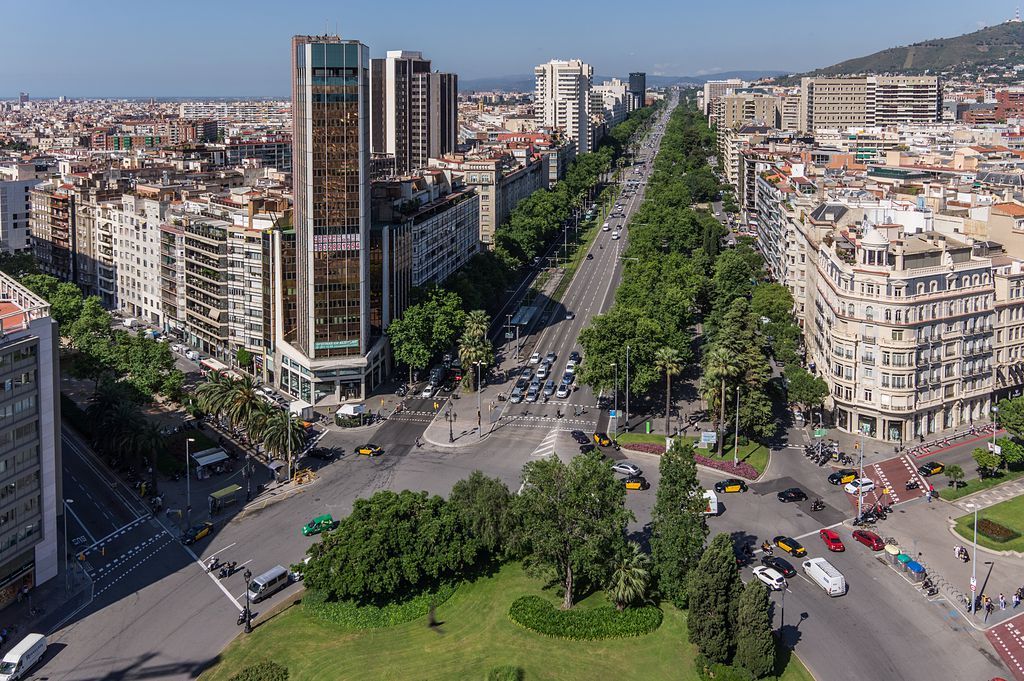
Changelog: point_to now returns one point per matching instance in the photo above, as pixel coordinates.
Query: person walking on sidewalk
(1002, 602)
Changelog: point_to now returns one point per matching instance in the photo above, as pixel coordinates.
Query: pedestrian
(1002, 602)
(989, 607)
(1016, 599)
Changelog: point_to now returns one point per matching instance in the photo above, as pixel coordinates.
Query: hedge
(505, 672)
(264, 671)
(354, 616)
(995, 531)
(742, 469)
(536, 614)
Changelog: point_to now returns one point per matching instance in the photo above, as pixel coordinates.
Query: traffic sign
(820, 432)
(709, 437)
(974, 584)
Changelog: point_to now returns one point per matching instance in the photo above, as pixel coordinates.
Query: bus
(212, 366)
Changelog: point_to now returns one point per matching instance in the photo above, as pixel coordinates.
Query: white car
(771, 577)
(626, 468)
(605, 227)
(563, 390)
(542, 371)
(570, 367)
(535, 358)
(860, 486)
(615, 236)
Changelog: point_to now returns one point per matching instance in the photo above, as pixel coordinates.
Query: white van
(712, 502)
(825, 575)
(269, 582)
(23, 657)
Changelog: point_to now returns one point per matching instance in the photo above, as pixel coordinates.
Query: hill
(524, 83)
(975, 50)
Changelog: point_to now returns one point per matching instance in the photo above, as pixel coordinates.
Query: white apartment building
(613, 99)
(137, 257)
(714, 89)
(562, 99)
(16, 183)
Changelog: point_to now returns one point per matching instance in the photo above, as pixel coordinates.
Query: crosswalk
(547, 446)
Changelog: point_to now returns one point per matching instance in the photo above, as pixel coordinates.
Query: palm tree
(720, 366)
(215, 394)
(241, 401)
(477, 323)
(629, 576)
(261, 413)
(282, 435)
(667, 359)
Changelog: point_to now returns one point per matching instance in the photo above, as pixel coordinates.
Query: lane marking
(67, 507)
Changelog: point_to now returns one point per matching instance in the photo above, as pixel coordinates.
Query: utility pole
(188, 484)
(736, 437)
(974, 560)
(627, 389)
(615, 399)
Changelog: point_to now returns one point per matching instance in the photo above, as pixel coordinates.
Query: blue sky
(234, 47)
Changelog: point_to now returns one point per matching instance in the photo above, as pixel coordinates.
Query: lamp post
(67, 561)
(627, 389)
(995, 414)
(974, 559)
(615, 400)
(247, 575)
(479, 417)
(188, 483)
(736, 437)
(450, 417)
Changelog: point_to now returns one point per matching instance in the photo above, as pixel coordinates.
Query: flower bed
(742, 469)
(995, 531)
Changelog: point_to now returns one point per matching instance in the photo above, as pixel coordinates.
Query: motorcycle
(767, 548)
(931, 591)
(212, 564)
(817, 505)
(227, 569)
(243, 615)
(912, 484)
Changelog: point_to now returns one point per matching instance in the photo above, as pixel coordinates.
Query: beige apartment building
(868, 101)
(752, 108)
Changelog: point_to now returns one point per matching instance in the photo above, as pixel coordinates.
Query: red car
(869, 539)
(832, 540)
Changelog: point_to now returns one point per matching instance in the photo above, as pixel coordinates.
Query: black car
(587, 447)
(575, 357)
(323, 453)
(580, 437)
(792, 494)
(780, 564)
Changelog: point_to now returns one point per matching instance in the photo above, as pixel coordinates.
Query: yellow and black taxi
(602, 439)
(730, 485)
(369, 450)
(790, 546)
(318, 525)
(841, 477)
(196, 532)
(636, 482)
(931, 468)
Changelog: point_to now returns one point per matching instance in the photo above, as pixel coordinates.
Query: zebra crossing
(547, 446)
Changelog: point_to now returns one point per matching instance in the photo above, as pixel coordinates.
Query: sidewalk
(992, 496)
(46, 607)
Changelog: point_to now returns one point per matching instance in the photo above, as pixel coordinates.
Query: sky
(115, 48)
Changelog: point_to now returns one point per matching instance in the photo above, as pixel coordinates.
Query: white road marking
(74, 515)
(223, 549)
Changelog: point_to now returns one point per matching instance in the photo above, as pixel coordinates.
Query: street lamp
(67, 561)
(479, 387)
(627, 389)
(450, 417)
(974, 559)
(995, 414)
(188, 484)
(615, 399)
(247, 575)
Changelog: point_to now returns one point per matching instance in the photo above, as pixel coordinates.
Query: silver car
(549, 388)
(626, 468)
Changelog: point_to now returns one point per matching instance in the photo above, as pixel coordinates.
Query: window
(897, 334)
(867, 396)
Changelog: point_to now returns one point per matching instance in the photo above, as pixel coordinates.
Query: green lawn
(475, 635)
(1008, 513)
(753, 453)
(978, 484)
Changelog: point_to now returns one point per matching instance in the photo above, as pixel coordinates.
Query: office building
(413, 111)
(16, 183)
(637, 90)
(333, 347)
(562, 100)
(713, 89)
(868, 101)
(30, 447)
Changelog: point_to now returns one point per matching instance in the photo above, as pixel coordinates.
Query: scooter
(243, 615)
(817, 505)
(213, 564)
(227, 569)
(767, 548)
(912, 484)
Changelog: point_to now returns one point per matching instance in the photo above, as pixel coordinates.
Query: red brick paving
(1008, 640)
(891, 478)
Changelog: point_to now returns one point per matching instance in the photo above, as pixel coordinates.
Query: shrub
(742, 469)
(714, 671)
(264, 671)
(537, 614)
(349, 614)
(505, 672)
(995, 531)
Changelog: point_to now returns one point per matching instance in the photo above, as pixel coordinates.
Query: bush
(353, 616)
(743, 469)
(537, 614)
(713, 671)
(347, 421)
(264, 671)
(995, 531)
(505, 672)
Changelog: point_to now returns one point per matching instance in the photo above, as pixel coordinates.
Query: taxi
(318, 525)
(730, 485)
(636, 482)
(196, 532)
(602, 439)
(931, 468)
(790, 546)
(843, 476)
(370, 450)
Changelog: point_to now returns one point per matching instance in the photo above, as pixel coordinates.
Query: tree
(755, 645)
(720, 366)
(243, 357)
(475, 347)
(667, 360)
(482, 505)
(1011, 415)
(629, 576)
(570, 519)
(955, 474)
(713, 591)
(410, 339)
(282, 435)
(241, 401)
(803, 389)
(988, 462)
(214, 394)
(1011, 451)
(678, 524)
(144, 442)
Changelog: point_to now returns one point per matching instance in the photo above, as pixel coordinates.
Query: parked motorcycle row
(827, 451)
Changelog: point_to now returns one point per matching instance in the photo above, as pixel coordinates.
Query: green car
(318, 525)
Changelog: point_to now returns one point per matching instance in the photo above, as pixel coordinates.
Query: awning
(351, 409)
(226, 492)
(209, 457)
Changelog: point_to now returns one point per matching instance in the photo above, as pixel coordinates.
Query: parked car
(575, 357)
(318, 525)
(563, 390)
(931, 468)
(636, 482)
(869, 539)
(549, 388)
(790, 495)
(626, 468)
(770, 577)
(843, 476)
(780, 564)
(790, 546)
(587, 447)
(831, 539)
(570, 367)
(860, 486)
(730, 485)
(369, 449)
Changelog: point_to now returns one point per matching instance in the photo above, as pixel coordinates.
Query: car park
(574, 356)
(626, 468)
(570, 367)
(318, 525)
(831, 539)
(780, 565)
(843, 476)
(869, 539)
(635, 482)
(770, 578)
(196, 532)
(931, 468)
(860, 486)
(790, 546)
(563, 390)
(568, 378)
(730, 485)
(791, 495)
(369, 449)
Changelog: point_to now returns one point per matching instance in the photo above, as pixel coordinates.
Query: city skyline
(216, 57)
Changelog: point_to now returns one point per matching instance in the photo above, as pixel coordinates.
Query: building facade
(637, 90)
(562, 100)
(16, 183)
(869, 100)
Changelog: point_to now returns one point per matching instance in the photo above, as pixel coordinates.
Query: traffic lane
(101, 504)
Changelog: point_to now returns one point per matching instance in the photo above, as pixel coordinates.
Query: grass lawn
(753, 453)
(1008, 513)
(978, 484)
(475, 635)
